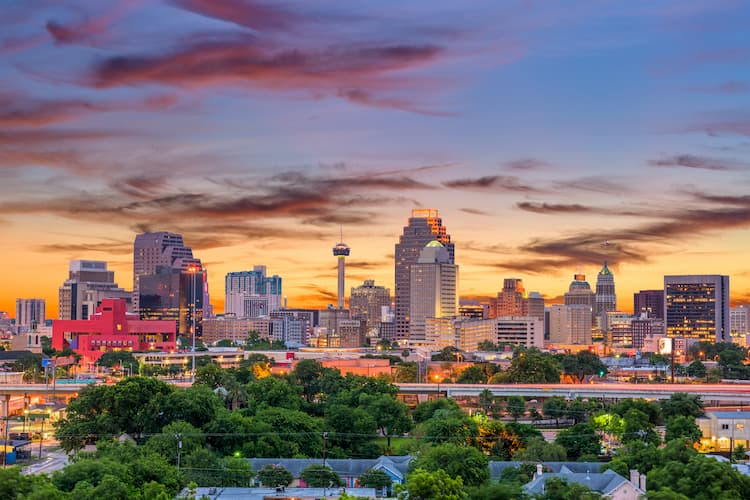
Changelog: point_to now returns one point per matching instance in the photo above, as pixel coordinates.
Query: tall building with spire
(425, 225)
(606, 300)
(341, 252)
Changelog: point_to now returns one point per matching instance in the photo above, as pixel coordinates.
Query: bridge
(718, 393)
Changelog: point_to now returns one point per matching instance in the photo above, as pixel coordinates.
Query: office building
(606, 299)
(739, 320)
(619, 332)
(229, 327)
(643, 329)
(697, 307)
(536, 305)
(29, 313)
(466, 333)
(471, 309)
(175, 295)
(433, 289)
(112, 328)
(252, 294)
(511, 301)
(89, 281)
(424, 226)
(580, 293)
(570, 324)
(366, 304)
(300, 326)
(649, 301)
(338, 329)
(152, 250)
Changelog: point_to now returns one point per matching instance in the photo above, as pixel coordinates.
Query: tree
(682, 427)
(390, 415)
(406, 372)
(555, 407)
(516, 406)
(532, 367)
(167, 442)
(118, 359)
(424, 411)
(308, 373)
(539, 450)
(581, 364)
(696, 369)
(486, 345)
(496, 440)
(465, 462)
(378, 479)
(320, 476)
(425, 485)
(651, 409)
(350, 428)
(274, 476)
(447, 426)
(448, 353)
(638, 427)
(474, 374)
(701, 478)
(210, 375)
(487, 401)
(225, 343)
(681, 403)
(273, 392)
(579, 440)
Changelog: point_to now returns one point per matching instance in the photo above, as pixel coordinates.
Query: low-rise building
(724, 430)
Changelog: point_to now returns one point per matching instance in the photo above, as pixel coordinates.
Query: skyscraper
(424, 226)
(30, 312)
(89, 281)
(697, 307)
(580, 293)
(251, 294)
(366, 303)
(649, 301)
(174, 294)
(606, 300)
(341, 252)
(151, 250)
(536, 305)
(511, 301)
(433, 289)
(740, 323)
(570, 324)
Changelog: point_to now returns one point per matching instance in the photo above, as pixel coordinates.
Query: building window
(724, 427)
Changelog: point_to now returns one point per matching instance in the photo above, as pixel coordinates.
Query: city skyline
(551, 139)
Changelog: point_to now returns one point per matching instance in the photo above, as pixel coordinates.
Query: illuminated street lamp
(437, 379)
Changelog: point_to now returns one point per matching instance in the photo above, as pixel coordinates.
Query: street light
(437, 379)
(193, 270)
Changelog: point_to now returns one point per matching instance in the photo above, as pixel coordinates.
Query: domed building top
(434, 244)
(579, 283)
(434, 252)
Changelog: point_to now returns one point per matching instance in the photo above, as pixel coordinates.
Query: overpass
(719, 393)
(13, 396)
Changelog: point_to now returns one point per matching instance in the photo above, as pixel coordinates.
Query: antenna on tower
(341, 232)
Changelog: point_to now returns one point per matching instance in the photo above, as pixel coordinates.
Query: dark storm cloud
(526, 164)
(475, 211)
(697, 163)
(551, 208)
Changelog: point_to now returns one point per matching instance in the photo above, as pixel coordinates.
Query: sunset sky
(540, 130)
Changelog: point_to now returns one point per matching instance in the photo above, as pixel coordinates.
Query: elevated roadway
(719, 393)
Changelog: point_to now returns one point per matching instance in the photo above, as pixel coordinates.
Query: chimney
(634, 477)
(643, 482)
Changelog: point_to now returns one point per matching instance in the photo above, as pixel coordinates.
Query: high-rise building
(433, 289)
(739, 321)
(649, 301)
(341, 252)
(89, 281)
(424, 226)
(536, 305)
(644, 328)
(366, 304)
(252, 294)
(697, 307)
(471, 309)
(580, 293)
(467, 333)
(174, 294)
(606, 299)
(151, 250)
(570, 324)
(29, 313)
(511, 301)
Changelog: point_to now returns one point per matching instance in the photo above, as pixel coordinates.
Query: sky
(551, 136)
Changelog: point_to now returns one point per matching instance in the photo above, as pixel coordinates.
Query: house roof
(729, 414)
(263, 493)
(349, 467)
(605, 482)
(497, 467)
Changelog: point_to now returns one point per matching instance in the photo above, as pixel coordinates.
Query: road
(52, 461)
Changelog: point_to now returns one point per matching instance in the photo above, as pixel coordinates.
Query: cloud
(697, 163)
(526, 164)
(245, 13)
(91, 28)
(725, 123)
(360, 96)
(493, 183)
(475, 211)
(596, 184)
(547, 208)
(109, 247)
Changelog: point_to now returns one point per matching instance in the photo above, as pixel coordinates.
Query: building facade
(570, 324)
(649, 301)
(739, 321)
(425, 225)
(112, 328)
(697, 307)
(580, 293)
(251, 294)
(89, 281)
(466, 333)
(366, 303)
(606, 298)
(30, 313)
(174, 295)
(433, 289)
(511, 301)
(229, 327)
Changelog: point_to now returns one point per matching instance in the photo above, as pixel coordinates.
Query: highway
(720, 393)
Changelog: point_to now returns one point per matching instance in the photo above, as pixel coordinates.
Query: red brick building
(112, 328)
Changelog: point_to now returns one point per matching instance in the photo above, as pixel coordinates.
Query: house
(724, 430)
(608, 483)
(497, 467)
(279, 493)
(349, 469)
